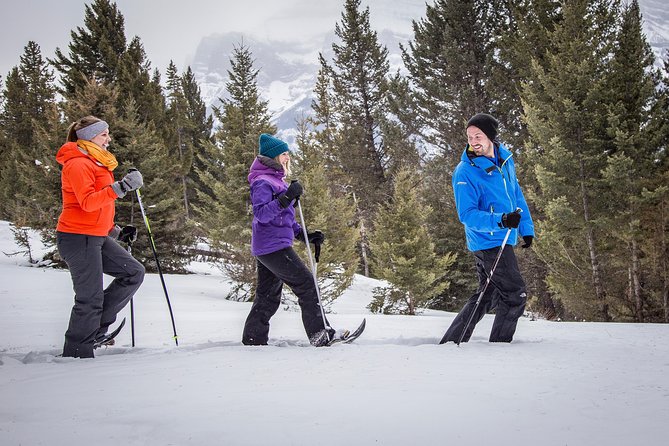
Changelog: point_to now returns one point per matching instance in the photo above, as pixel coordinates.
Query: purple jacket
(274, 227)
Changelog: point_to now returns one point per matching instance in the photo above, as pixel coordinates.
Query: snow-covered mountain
(288, 69)
(287, 72)
(656, 25)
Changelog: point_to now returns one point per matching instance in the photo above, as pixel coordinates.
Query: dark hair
(78, 125)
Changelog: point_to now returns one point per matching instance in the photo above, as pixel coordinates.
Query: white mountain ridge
(288, 70)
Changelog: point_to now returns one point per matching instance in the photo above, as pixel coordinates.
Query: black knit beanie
(486, 123)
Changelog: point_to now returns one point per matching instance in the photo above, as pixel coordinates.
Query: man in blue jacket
(490, 203)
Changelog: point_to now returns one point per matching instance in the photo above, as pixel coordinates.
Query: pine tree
(659, 197)
(449, 61)
(400, 127)
(176, 123)
(95, 99)
(29, 96)
(632, 218)
(404, 253)
(352, 114)
(198, 129)
(226, 214)
(99, 53)
(325, 211)
(187, 129)
(565, 109)
(134, 80)
(138, 145)
(449, 64)
(96, 50)
(523, 35)
(30, 123)
(324, 122)
(359, 80)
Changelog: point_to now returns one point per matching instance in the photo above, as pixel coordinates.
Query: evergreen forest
(574, 84)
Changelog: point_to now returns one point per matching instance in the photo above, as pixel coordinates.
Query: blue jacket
(273, 227)
(483, 192)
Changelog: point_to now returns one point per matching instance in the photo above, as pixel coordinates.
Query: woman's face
(102, 139)
(284, 159)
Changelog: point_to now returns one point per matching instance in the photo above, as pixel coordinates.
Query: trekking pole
(155, 256)
(313, 266)
(132, 307)
(485, 287)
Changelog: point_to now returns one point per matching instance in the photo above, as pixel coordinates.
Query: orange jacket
(88, 199)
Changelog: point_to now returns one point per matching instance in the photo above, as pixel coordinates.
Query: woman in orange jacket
(87, 236)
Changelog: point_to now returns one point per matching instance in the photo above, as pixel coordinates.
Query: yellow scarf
(103, 156)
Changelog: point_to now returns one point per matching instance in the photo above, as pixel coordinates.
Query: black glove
(294, 191)
(511, 220)
(132, 181)
(316, 237)
(528, 241)
(128, 234)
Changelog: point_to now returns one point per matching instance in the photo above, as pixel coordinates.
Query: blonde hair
(80, 124)
(286, 169)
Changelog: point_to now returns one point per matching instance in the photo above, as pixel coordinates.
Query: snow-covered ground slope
(558, 383)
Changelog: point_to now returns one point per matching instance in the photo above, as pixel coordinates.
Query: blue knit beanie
(270, 146)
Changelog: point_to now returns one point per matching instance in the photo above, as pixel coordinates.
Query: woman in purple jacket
(274, 229)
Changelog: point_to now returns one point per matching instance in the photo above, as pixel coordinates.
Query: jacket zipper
(506, 189)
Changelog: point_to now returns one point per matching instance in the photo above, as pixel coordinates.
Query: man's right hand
(511, 220)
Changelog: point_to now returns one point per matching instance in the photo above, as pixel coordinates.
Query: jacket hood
(263, 165)
(68, 151)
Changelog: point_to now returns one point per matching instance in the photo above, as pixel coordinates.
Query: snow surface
(558, 383)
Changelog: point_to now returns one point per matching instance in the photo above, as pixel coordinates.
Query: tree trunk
(183, 177)
(600, 293)
(363, 239)
(363, 248)
(664, 268)
(636, 283)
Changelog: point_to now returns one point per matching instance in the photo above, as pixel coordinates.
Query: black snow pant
(275, 269)
(505, 294)
(95, 309)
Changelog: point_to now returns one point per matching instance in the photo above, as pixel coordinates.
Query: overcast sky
(172, 29)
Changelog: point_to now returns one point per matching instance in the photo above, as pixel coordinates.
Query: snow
(558, 383)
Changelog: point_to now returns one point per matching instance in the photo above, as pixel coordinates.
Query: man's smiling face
(479, 142)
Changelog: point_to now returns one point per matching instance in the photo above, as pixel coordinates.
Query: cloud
(172, 29)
